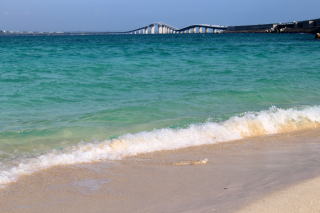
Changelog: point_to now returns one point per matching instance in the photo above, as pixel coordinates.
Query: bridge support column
(200, 29)
(207, 30)
(152, 29)
(160, 29)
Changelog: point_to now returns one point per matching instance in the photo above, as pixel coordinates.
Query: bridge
(161, 28)
(307, 26)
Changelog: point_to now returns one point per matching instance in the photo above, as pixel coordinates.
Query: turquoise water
(59, 91)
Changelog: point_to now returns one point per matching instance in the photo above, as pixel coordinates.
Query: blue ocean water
(59, 91)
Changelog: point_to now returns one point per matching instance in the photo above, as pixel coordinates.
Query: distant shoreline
(114, 34)
(311, 26)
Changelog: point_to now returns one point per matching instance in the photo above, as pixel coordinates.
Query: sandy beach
(299, 198)
(236, 175)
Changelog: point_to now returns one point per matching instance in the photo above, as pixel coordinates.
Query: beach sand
(301, 198)
(224, 177)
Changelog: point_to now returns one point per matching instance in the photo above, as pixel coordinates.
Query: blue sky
(117, 15)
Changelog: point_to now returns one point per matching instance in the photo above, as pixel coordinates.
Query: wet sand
(236, 175)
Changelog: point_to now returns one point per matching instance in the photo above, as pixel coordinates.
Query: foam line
(272, 121)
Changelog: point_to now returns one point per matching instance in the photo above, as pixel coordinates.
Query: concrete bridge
(307, 26)
(161, 28)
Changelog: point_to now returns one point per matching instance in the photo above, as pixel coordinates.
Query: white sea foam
(250, 124)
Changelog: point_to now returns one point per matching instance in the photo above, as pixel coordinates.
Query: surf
(250, 124)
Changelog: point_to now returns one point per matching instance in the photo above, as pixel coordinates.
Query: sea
(81, 99)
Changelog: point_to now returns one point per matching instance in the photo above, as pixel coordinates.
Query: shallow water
(57, 91)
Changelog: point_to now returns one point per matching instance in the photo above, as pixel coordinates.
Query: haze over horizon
(121, 15)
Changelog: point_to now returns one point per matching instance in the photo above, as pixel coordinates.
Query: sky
(121, 15)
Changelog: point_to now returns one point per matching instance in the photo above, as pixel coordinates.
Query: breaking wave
(250, 124)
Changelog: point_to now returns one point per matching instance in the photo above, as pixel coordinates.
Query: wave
(250, 124)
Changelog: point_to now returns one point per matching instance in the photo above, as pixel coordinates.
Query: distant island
(307, 26)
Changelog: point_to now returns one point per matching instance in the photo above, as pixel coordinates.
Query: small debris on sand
(186, 163)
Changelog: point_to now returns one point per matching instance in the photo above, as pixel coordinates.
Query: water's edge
(251, 124)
